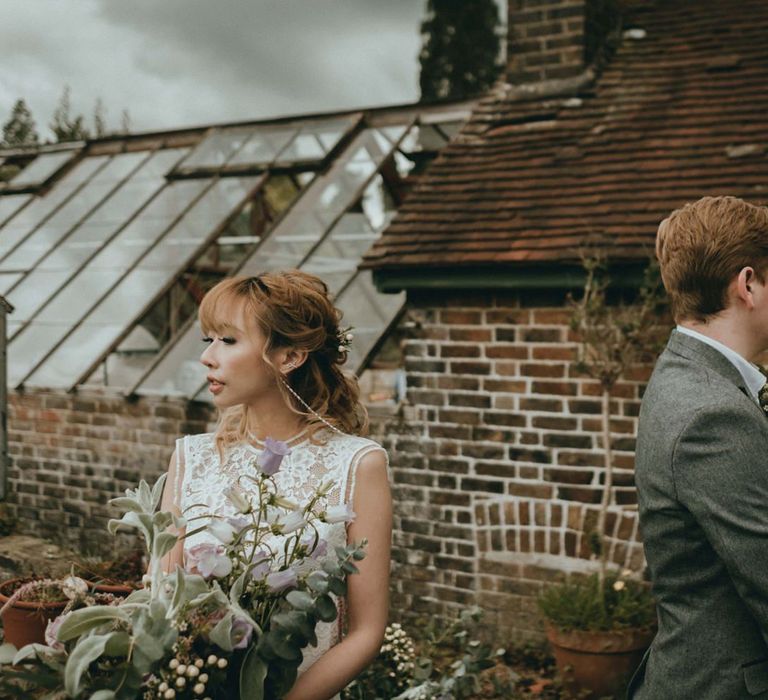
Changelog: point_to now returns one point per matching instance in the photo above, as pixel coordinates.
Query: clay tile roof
(679, 112)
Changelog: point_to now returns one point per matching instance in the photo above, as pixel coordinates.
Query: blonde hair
(703, 246)
(292, 309)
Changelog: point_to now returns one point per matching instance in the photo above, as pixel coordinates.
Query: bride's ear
(292, 359)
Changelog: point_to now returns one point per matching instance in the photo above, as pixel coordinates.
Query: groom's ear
(743, 286)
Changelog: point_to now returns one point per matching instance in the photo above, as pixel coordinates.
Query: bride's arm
(367, 592)
(176, 555)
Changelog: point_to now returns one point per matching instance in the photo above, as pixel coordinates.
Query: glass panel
(106, 268)
(212, 208)
(263, 146)
(57, 370)
(57, 227)
(337, 257)
(10, 204)
(138, 288)
(305, 147)
(326, 198)
(34, 290)
(8, 279)
(158, 166)
(133, 241)
(315, 140)
(217, 149)
(41, 168)
(26, 350)
(74, 301)
(123, 203)
(180, 371)
(369, 313)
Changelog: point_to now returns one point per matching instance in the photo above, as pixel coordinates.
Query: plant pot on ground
(27, 606)
(598, 634)
(119, 577)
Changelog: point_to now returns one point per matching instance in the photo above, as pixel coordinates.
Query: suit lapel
(697, 351)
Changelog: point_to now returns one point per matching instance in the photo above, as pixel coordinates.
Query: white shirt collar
(753, 377)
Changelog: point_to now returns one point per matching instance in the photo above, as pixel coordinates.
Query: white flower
(618, 585)
(292, 522)
(221, 530)
(339, 514)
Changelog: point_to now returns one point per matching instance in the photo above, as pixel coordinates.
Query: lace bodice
(202, 478)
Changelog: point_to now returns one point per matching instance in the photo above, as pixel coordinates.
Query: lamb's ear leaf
(157, 491)
(78, 622)
(85, 652)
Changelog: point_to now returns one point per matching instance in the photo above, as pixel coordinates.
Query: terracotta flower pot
(119, 590)
(599, 662)
(25, 622)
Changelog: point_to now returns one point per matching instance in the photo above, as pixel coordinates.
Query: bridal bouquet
(233, 624)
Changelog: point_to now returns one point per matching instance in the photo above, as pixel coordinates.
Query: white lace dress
(202, 479)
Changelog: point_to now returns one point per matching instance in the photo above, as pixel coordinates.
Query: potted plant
(599, 627)
(598, 636)
(28, 605)
(118, 577)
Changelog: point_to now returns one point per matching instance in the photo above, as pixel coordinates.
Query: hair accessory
(308, 407)
(345, 338)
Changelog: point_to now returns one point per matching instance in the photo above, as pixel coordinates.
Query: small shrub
(579, 604)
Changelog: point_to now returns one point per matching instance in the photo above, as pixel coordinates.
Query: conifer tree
(99, 118)
(20, 129)
(63, 125)
(460, 49)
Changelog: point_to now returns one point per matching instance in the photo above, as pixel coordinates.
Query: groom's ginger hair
(702, 247)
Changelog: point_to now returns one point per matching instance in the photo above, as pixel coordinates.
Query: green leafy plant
(580, 604)
(446, 662)
(612, 337)
(229, 629)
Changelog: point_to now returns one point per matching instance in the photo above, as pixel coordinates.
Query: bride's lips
(214, 385)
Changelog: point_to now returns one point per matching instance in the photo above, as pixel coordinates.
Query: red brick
(478, 335)
(459, 351)
(542, 370)
(553, 352)
(461, 317)
(561, 388)
(507, 352)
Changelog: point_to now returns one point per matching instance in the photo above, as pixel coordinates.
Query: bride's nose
(207, 357)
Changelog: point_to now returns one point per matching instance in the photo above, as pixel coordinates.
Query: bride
(274, 354)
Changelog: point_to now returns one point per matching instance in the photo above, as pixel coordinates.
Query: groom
(702, 460)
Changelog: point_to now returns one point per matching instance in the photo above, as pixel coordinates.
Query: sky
(177, 63)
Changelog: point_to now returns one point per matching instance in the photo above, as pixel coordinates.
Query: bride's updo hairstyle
(292, 309)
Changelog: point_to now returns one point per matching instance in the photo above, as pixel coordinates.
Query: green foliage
(446, 662)
(579, 605)
(614, 336)
(20, 128)
(64, 126)
(460, 50)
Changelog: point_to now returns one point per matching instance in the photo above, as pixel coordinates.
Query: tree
(99, 118)
(612, 338)
(460, 49)
(20, 129)
(125, 122)
(64, 126)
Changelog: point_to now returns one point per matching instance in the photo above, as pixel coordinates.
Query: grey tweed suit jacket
(702, 480)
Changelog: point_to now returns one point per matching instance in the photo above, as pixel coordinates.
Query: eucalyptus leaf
(326, 608)
(252, 675)
(348, 567)
(337, 586)
(301, 600)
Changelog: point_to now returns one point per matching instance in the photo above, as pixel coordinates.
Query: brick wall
(70, 453)
(546, 39)
(498, 468)
(496, 462)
